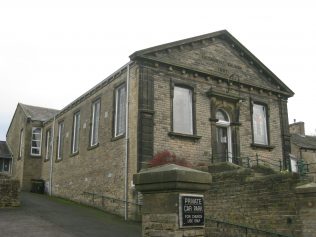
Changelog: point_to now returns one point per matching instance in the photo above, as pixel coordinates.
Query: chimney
(297, 128)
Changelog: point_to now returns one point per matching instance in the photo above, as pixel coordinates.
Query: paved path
(41, 216)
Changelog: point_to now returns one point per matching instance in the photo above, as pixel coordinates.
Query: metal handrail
(251, 160)
(95, 195)
(247, 228)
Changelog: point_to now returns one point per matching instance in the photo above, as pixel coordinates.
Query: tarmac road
(42, 216)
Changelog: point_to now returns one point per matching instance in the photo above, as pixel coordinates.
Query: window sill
(36, 156)
(185, 136)
(74, 154)
(58, 160)
(118, 137)
(93, 147)
(45, 160)
(267, 147)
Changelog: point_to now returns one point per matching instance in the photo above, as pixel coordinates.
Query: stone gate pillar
(173, 201)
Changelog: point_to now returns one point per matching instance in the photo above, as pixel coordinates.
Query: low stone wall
(266, 202)
(9, 192)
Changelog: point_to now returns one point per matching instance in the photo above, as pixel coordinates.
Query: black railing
(244, 230)
(306, 168)
(248, 161)
(103, 198)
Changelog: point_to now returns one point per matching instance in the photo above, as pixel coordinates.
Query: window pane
(95, 123)
(21, 143)
(75, 140)
(260, 124)
(6, 165)
(35, 151)
(182, 110)
(60, 140)
(49, 144)
(120, 110)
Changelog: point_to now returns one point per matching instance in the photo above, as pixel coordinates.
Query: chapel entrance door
(223, 137)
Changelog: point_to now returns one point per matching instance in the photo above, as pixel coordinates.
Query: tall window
(21, 144)
(120, 110)
(182, 110)
(75, 133)
(49, 144)
(60, 140)
(259, 122)
(94, 139)
(36, 141)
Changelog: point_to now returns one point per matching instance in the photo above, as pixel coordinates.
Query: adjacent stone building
(303, 150)
(207, 99)
(5, 158)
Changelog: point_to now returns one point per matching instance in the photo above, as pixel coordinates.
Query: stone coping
(171, 177)
(306, 188)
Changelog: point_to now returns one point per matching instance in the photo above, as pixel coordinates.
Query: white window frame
(49, 144)
(60, 140)
(75, 133)
(120, 111)
(261, 124)
(94, 137)
(40, 142)
(186, 119)
(21, 148)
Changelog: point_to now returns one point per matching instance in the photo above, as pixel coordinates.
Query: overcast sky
(51, 52)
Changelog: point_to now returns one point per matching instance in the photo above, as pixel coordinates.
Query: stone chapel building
(207, 99)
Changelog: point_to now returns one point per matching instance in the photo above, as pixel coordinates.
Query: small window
(36, 141)
(49, 144)
(259, 123)
(21, 148)
(75, 133)
(60, 141)
(120, 110)
(4, 165)
(94, 139)
(182, 110)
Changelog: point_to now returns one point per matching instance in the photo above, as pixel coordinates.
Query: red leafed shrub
(166, 157)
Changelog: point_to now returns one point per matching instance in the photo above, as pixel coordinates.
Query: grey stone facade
(221, 74)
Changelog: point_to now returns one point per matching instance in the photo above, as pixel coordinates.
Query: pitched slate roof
(223, 35)
(38, 113)
(4, 150)
(305, 142)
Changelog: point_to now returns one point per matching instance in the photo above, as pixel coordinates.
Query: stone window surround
(192, 87)
(253, 144)
(60, 140)
(92, 123)
(116, 136)
(40, 143)
(75, 133)
(49, 144)
(21, 150)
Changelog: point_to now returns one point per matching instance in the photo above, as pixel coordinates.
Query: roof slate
(4, 150)
(38, 113)
(306, 142)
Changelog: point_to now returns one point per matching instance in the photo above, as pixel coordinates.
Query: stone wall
(9, 192)
(200, 150)
(246, 198)
(96, 171)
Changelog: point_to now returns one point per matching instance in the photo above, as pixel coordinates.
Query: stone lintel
(171, 177)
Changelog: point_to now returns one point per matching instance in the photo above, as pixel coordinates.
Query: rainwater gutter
(51, 160)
